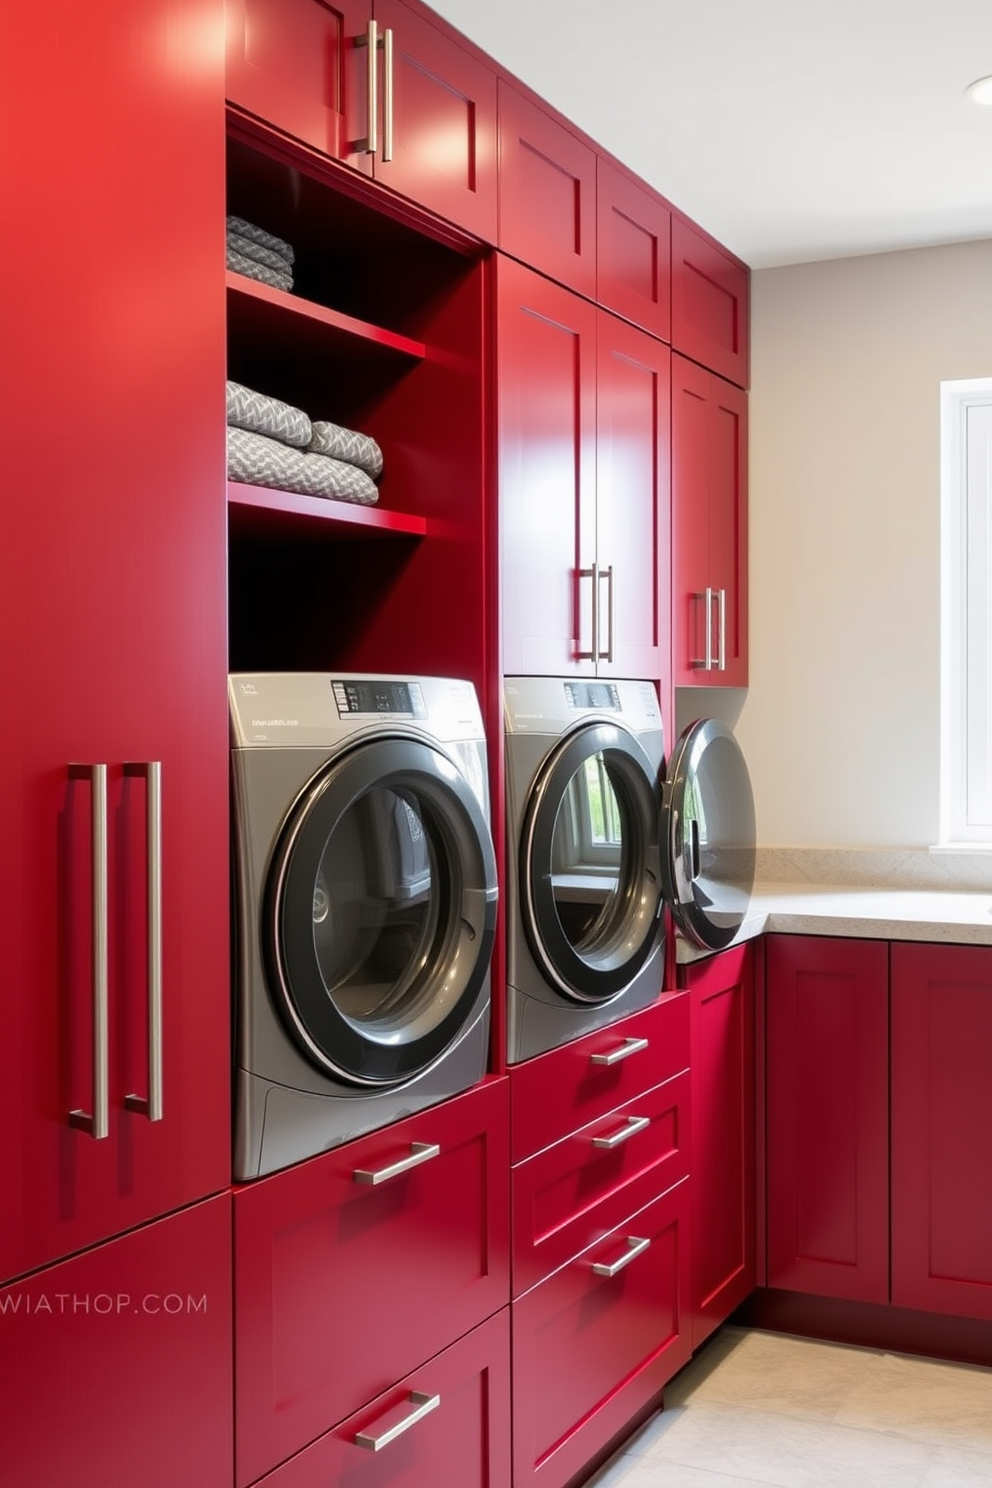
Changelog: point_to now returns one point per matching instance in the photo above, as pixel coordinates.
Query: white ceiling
(791, 129)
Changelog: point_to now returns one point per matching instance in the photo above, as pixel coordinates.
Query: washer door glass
(382, 912)
(589, 864)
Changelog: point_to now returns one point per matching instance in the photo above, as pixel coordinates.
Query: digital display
(592, 695)
(376, 698)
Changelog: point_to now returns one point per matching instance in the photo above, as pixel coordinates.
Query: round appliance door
(591, 897)
(381, 912)
(709, 829)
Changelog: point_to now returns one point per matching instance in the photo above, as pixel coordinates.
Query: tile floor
(757, 1409)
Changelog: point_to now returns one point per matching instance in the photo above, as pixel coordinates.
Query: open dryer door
(708, 835)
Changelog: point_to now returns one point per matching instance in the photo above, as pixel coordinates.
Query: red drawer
(566, 1088)
(463, 1439)
(343, 1286)
(590, 1350)
(568, 1196)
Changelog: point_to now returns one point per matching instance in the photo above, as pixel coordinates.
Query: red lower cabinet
(115, 1366)
(942, 1129)
(353, 1268)
(597, 1340)
(448, 1422)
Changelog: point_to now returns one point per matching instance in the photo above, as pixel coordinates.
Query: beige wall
(840, 723)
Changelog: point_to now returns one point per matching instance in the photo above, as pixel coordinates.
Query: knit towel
(259, 461)
(252, 269)
(346, 444)
(255, 251)
(263, 415)
(259, 235)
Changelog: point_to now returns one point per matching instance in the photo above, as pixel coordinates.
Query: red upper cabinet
(113, 794)
(709, 528)
(583, 471)
(633, 250)
(547, 193)
(709, 303)
(942, 1129)
(384, 86)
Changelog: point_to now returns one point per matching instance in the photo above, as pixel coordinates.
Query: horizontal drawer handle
(424, 1405)
(635, 1247)
(622, 1051)
(420, 1152)
(631, 1126)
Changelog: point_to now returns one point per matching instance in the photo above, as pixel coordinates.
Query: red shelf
(270, 319)
(262, 510)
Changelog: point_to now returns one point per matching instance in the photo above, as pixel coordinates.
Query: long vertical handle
(151, 770)
(607, 572)
(387, 103)
(97, 1123)
(372, 74)
(708, 664)
(593, 654)
(722, 651)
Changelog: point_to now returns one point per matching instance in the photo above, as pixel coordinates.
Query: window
(966, 612)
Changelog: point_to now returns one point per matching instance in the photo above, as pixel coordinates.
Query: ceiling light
(980, 91)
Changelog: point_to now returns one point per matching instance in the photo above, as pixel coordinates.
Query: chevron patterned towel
(258, 235)
(346, 444)
(252, 269)
(263, 415)
(259, 461)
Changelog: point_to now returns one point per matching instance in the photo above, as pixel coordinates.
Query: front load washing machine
(599, 841)
(364, 906)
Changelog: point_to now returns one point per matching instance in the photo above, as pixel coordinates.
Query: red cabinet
(113, 795)
(709, 303)
(721, 1014)
(348, 1277)
(827, 1006)
(583, 469)
(709, 528)
(115, 1366)
(386, 88)
(633, 250)
(942, 1129)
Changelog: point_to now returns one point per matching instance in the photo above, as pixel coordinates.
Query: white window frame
(966, 612)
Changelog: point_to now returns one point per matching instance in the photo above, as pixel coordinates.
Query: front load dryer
(599, 842)
(365, 906)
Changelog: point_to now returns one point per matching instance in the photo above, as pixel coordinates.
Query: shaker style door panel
(633, 250)
(709, 303)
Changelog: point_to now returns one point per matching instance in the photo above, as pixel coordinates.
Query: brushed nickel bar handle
(590, 573)
(424, 1405)
(607, 655)
(420, 1152)
(151, 1105)
(722, 653)
(635, 1247)
(97, 1124)
(387, 103)
(622, 1051)
(708, 664)
(371, 40)
(630, 1128)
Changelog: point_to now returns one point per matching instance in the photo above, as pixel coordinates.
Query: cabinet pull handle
(387, 102)
(97, 1124)
(593, 655)
(722, 652)
(607, 655)
(621, 1052)
(151, 771)
(371, 40)
(424, 1405)
(630, 1128)
(708, 663)
(635, 1247)
(420, 1152)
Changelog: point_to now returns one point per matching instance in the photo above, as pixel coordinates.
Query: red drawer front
(571, 1195)
(463, 1439)
(564, 1089)
(343, 1286)
(589, 1351)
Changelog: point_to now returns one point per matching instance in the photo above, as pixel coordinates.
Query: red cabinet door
(942, 1129)
(547, 193)
(709, 529)
(709, 303)
(115, 1366)
(827, 1112)
(596, 1342)
(345, 1284)
(633, 250)
(112, 612)
(447, 1422)
(721, 991)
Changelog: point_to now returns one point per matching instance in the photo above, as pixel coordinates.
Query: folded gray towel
(259, 461)
(255, 251)
(252, 269)
(259, 235)
(346, 444)
(260, 414)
